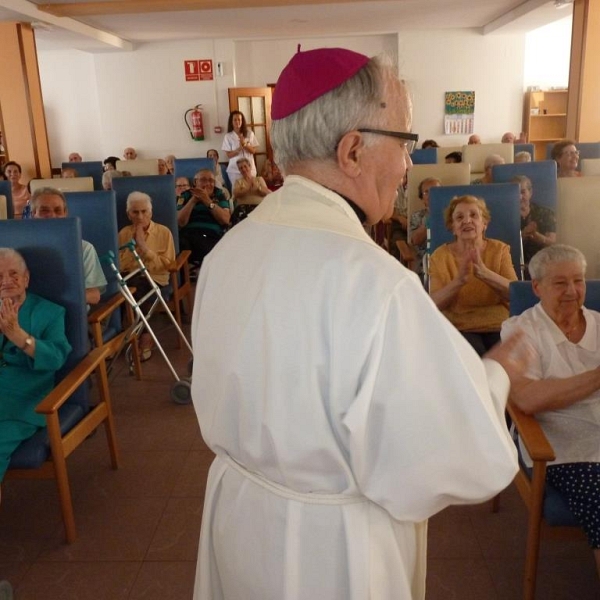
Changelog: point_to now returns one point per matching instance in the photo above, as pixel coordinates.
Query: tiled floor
(138, 527)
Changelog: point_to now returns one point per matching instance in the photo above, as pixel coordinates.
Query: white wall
(71, 104)
(440, 61)
(259, 63)
(99, 104)
(548, 55)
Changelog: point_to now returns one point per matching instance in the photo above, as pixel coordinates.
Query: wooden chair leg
(62, 478)
(533, 530)
(137, 361)
(109, 423)
(177, 310)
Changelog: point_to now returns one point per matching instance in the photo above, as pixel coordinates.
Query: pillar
(21, 105)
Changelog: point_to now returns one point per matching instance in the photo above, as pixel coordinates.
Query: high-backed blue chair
(542, 175)
(7, 193)
(225, 176)
(502, 200)
(526, 148)
(164, 211)
(188, 167)
(546, 506)
(424, 156)
(91, 168)
(52, 251)
(98, 214)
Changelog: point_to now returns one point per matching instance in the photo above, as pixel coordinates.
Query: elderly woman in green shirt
(33, 346)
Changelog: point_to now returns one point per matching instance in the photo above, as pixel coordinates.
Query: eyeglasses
(570, 153)
(410, 139)
(180, 185)
(204, 180)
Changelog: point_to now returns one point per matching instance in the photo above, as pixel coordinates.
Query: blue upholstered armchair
(52, 250)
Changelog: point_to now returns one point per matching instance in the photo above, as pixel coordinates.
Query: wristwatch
(212, 205)
(27, 344)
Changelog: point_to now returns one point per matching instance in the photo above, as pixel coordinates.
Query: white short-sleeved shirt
(92, 269)
(574, 431)
(231, 142)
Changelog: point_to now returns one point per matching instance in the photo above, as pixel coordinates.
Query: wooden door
(255, 104)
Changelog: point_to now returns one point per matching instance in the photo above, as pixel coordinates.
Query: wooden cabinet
(545, 118)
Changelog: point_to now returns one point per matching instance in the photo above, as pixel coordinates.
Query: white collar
(303, 203)
(589, 340)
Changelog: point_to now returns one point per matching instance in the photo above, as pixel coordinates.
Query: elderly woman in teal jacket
(33, 346)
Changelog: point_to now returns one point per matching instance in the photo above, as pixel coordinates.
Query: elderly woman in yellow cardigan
(469, 277)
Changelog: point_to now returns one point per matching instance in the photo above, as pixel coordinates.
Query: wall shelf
(545, 118)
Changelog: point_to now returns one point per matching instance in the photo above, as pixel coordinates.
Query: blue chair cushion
(32, 453)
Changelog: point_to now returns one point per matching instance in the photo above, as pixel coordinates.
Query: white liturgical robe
(344, 410)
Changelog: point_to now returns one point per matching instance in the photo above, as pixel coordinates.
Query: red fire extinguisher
(197, 126)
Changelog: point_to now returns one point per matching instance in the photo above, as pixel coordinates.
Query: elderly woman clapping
(33, 346)
(562, 387)
(248, 191)
(469, 277)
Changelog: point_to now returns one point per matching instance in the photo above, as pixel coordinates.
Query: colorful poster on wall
(459, 114)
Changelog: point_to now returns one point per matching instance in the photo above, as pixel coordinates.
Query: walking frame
(180, 391)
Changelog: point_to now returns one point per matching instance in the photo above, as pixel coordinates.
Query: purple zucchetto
(311, 74)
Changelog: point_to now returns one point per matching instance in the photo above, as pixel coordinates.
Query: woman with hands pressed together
(248, 192)
(155, 246)
(469, 277)
(33, 346)
(239, 142)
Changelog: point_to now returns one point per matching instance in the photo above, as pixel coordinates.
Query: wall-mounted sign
(198, 70)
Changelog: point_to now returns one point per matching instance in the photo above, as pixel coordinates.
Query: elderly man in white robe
(343, 408)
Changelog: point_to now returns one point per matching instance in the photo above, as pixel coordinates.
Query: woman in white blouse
(239, 142)
(562, 386)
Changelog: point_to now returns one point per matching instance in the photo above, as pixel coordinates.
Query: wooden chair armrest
(64, 390)
(180, 260)
(105, 309)
(532, 435)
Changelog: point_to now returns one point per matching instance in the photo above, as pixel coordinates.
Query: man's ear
(349, 153)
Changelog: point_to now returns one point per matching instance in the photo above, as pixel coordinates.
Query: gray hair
(46, 191)
(7, 253)
(137, 196)
(522, 179)
(492, 160)
(239, 161)
(108, 176)
(523, 156)
(314, 131)
(209, 171)
(554, 254)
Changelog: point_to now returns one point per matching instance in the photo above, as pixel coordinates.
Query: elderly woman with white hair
(490, 161)
(33, 346)
(155, 246)
(562, 385)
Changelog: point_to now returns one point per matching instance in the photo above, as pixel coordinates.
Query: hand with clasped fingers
(9, 320)
(200, 196)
